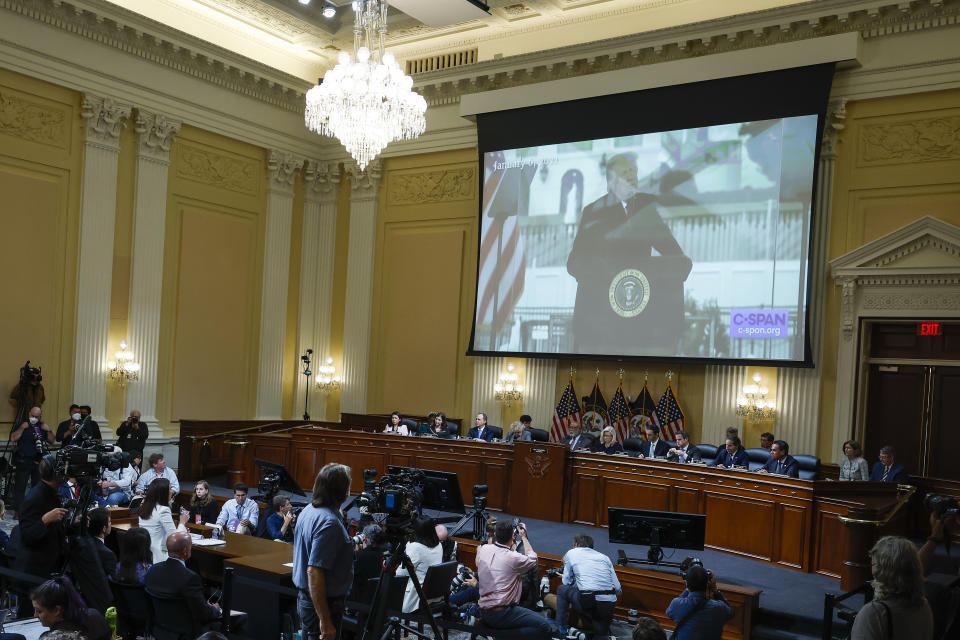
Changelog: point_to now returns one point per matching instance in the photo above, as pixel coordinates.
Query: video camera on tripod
(88, 462)
(397, 495)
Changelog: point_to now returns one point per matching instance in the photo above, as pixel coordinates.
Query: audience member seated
(117, 486)
(155, 517)
(480, 431)
(899, 608)
(203, 508)
(424, 551)
(888, 469)
(701, 610)
(69, 490)
(590, 586)
(781, 462)
(396, 425)
(648, 628)
(439, 428)
(853, 467)
(136, 557)
(517, 432)
(731, 432)
(369, 559)
(239, 515)
(766, 440)
(59, 607)
(654, 447)
(608, 442)
(98, 526)
(732, 455)
(158, 469)
(172, 579)
(684, 451)
(281, 521)
(500, 571)
(576, 440)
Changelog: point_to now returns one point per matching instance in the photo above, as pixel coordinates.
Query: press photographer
(132, 434)
(31, 438)
(701, 610)
(590, 586)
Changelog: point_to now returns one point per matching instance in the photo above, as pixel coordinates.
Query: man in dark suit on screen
(171, 578)
(629, 270)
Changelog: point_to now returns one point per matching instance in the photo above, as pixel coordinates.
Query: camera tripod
(378, 626)
(478, 515)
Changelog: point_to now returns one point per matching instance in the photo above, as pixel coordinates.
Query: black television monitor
(441, 489)
(657, 528)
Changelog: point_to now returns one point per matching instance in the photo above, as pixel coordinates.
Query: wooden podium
(537, 480)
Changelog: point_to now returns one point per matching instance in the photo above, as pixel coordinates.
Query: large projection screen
(665, 224)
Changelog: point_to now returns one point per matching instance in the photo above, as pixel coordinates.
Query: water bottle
(633, 616)
(111, 616)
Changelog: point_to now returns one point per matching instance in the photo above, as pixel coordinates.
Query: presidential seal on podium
(629, 293)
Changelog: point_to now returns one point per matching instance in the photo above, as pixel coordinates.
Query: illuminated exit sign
(929, 329)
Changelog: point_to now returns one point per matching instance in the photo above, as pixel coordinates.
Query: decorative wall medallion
(227, 172)
(23, 118)
(924, 140)
(537, 465)
(447, 185)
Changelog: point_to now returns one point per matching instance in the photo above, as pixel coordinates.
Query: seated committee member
(887, 469)
(239, 515)
(172, 578)
(590, 585)
(480, 431)
(281, 522)
(654, 447)
(395, 425)
(500, 571)
(766, 440)
(439, 427)
(526, 421)
(576, 440)
(155, 517)
(731, 431)
(608, 442)
(701, 610)
(684, 451)
(517, 432)
(853, 467)
(781, 462)
(158, 469)
(733, 455)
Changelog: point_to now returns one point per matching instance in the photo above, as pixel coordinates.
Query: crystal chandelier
(507, 389)
(366, 102)
(753, 404)
(327, 380)
(123, 369)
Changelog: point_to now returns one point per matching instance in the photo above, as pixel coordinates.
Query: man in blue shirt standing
(323, 555)
(701, 610)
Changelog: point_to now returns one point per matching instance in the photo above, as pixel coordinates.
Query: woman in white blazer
(424, 551)
(155, 517)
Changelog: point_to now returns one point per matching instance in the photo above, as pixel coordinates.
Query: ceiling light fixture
(366, 102)
(329, 11)
(304, 2)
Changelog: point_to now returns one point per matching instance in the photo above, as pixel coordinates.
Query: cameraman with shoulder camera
(30, 437)
(701, 610)
(590, 585)
(132, 434)
(500, 572)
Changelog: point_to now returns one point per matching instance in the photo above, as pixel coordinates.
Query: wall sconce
(123, 369)
(327, 381)
(753, 404)
(507, 390)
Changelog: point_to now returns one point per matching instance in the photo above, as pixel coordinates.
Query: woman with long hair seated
(58, 606)
(155, 517)
(396, 425)
(439, 426)
(203, 508)
(136, 557)
(608, 442)
(898, 608)
(517, 432)
(424, 551)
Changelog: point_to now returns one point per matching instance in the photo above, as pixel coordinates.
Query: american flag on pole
(668, 415)
(568, 408)
(502, 259)
(619, 414)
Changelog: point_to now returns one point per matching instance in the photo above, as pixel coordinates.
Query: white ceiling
(299, 41)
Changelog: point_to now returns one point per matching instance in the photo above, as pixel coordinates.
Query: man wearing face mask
(629, 269)
(132, 434)
(29, 437)
(89, 426)
(68, 427)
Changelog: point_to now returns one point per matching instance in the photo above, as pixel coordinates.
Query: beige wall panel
(212, 362)
(339, 293)
(420, 334)
(877, 212)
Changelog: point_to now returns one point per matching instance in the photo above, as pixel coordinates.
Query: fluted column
(365, 189)
(155, 134)
(104, 120)
(321, 181)
(539, 391)
(721, 386)
(486, 373)
(282, 169)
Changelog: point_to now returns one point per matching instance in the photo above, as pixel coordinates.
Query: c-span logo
(629, 293)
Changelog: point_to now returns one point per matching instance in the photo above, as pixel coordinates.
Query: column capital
(366, 183)
(282, 166)
(835, 123)
(155, 133)
(105, 120)
(322, 180)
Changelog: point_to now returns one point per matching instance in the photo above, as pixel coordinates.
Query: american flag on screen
(668, 415)
(619, 414)
(502, 259)
(568, 408)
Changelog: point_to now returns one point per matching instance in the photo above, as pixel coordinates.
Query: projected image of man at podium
(628, 298)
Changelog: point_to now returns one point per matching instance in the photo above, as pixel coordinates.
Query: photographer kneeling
(701, 610)
(590, 586)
